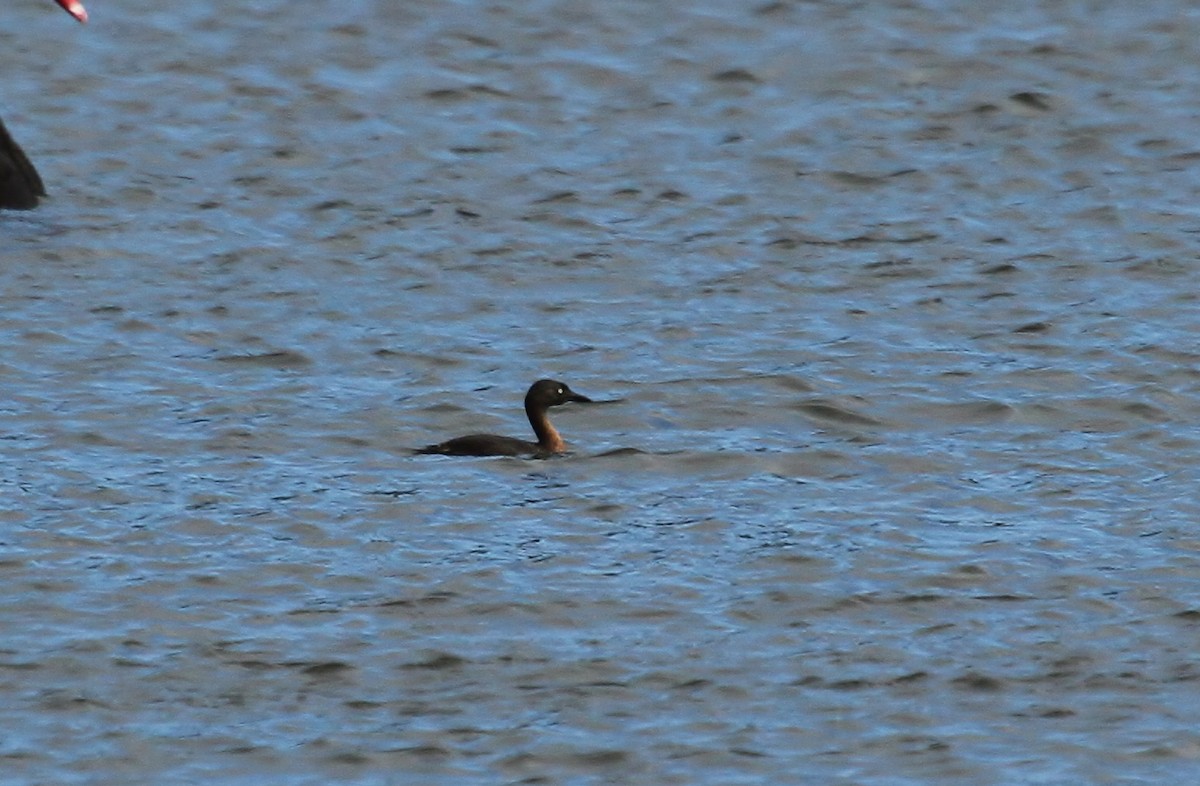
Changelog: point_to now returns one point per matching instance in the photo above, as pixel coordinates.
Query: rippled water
(896, 299)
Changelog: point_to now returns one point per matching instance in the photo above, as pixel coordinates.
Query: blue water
(892, 303)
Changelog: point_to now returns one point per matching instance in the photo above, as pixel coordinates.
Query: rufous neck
(547, 436)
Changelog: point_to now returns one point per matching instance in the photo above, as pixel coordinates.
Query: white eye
(560, 391)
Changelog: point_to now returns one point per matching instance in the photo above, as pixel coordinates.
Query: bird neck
(547, 436)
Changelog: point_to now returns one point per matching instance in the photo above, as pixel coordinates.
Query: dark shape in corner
(20, 184)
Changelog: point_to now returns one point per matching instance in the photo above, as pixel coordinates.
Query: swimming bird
(20, 184)
(542, 395)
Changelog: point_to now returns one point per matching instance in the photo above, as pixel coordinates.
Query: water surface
(897, 299)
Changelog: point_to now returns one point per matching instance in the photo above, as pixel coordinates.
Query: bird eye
(560, 391)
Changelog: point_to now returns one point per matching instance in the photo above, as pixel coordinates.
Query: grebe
(542, 395)
(20, 184)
